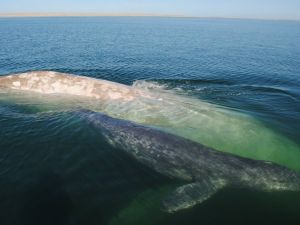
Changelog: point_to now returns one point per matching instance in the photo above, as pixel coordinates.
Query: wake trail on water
(168, 108)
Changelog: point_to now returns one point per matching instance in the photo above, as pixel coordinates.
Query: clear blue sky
(266, 9)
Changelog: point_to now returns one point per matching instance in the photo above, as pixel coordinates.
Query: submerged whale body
(204, 169)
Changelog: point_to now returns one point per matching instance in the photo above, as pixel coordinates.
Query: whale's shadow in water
(46, 202)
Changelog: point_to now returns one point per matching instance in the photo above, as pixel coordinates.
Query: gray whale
(205, 170)
(212, 125)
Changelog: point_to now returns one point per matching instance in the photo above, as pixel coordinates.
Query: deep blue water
(54, 174)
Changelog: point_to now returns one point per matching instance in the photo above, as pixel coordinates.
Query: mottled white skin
(49, 82)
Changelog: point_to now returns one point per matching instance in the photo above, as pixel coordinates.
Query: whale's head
(97, 119)
(111, 129)
(140, 142)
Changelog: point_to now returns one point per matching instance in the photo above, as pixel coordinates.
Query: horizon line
(95, 14)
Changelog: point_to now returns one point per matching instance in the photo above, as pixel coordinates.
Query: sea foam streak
(206, 123)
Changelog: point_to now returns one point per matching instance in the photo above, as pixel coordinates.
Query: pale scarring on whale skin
(49, 82)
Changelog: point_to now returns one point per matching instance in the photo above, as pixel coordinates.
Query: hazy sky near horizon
(264, 9)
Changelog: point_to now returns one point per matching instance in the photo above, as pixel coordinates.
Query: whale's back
(49, 82)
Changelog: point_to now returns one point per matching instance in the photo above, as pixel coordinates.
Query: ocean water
(233, 85)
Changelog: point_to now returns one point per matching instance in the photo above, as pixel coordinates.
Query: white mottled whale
(204, 169)
(48, 82)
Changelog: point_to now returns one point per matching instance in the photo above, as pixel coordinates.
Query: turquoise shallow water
(55, 169)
